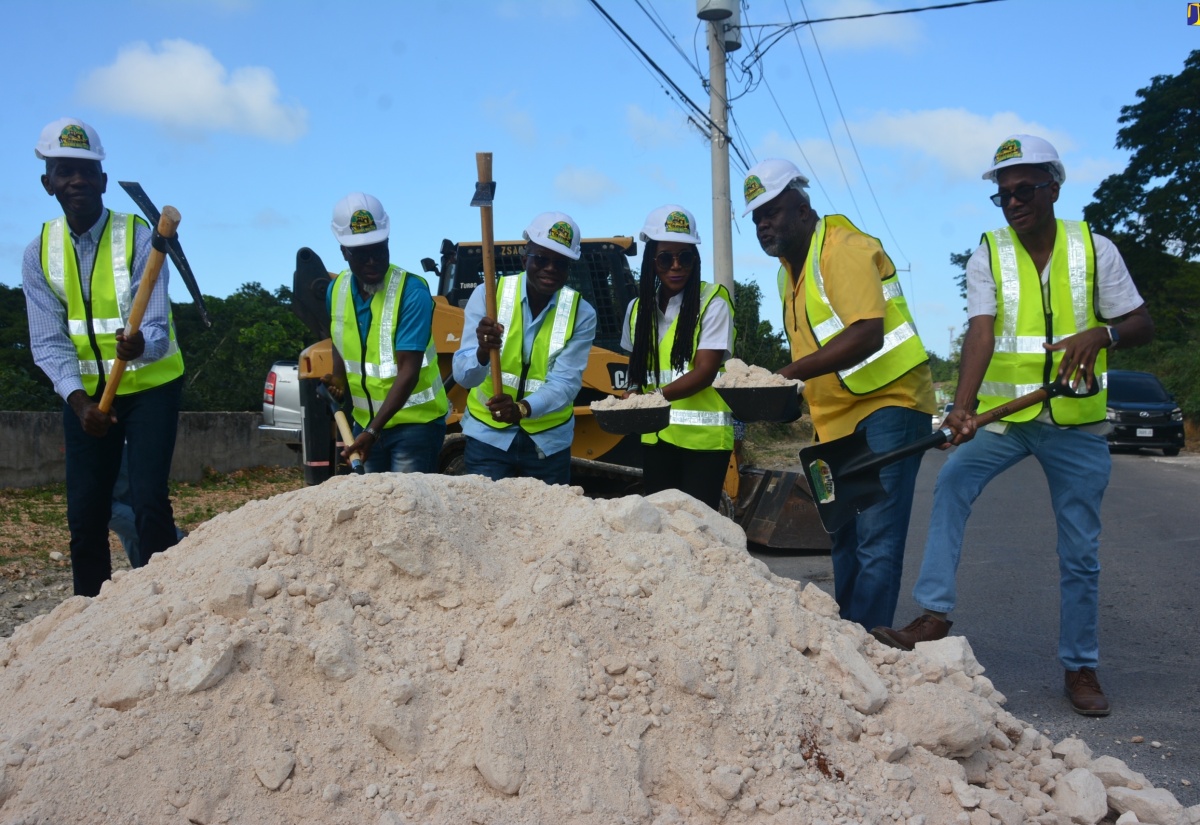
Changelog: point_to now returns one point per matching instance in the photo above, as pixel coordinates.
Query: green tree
(757, 342)
(959, 260)
(23, 386)
(226, 364)
(1153, 200)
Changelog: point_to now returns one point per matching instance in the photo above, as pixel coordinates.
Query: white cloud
(268, 218)
(183, 87)
(961, 142)
(650, 132)
(586, 186)
(901, 31)
(517, 122)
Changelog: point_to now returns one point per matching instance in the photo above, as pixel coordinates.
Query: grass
(33, 520)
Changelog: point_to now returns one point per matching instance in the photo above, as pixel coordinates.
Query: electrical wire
(850, 137)
(662, 28)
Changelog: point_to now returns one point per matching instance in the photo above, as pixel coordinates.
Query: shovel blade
(842, 487)
(776, 510)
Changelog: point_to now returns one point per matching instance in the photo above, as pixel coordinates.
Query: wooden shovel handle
(483, 165)
(347, 435)
(168, 223)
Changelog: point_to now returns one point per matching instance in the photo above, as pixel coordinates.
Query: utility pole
(719, 115)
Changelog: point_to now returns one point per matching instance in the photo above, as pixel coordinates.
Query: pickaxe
(174, 250)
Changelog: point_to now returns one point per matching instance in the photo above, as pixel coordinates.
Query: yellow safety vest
(902, 348)
(1020, 364)
(521, 379)
(93, 323)
(701, 421)
(371, 370)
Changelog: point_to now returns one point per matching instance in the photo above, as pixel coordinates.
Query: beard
(370, 289)
(774, 249)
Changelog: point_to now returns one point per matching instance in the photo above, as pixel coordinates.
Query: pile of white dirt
(740, 375)
(634, 401)
(425, 649)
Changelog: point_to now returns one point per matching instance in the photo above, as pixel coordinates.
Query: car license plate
(1145, 432)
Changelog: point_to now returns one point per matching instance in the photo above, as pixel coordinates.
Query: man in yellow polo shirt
(855, 345)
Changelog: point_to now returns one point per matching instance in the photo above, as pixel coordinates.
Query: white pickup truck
(281, 404)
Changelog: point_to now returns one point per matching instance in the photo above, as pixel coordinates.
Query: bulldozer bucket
(777, 511)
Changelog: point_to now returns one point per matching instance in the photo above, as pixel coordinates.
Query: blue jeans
(868, 553)
(1077, 467)
(523, 458)
(147, 420)
(406, 448)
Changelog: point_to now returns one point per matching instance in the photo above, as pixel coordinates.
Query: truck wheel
(452, 461)
(1170, 451)
(726, 506)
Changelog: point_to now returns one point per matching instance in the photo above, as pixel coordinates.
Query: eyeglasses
(684, 258)
(374, 251)
(546, 262)
(1023, 194)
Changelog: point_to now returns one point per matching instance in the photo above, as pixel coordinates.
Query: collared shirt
(853, 265)
(1116, 295)
(560, 388)
(49, 340)
(716, 325)
(414, 322)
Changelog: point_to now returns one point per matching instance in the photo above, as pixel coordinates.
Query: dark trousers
(147, 420)
(699, 473)
(522, 459)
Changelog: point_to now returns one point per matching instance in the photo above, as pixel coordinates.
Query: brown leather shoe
(925, 628)
(1087, 697)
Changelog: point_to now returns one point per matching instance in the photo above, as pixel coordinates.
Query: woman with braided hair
(679, 331)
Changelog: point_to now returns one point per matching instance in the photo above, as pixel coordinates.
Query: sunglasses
(546, 262)
(1023, 194)
(375, 251)
(684, 259)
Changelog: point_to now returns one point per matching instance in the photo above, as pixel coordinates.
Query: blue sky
(253, 117)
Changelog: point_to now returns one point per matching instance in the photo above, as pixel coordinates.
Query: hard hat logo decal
(753, 188)
(562, 233)
(1009, 150)
(73, 137)
(362, 222)
(678, 222)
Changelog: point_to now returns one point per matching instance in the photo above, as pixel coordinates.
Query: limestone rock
(942, 719)
(132, 682)
(273, 768)
(1149, 804)
(201, 666)
(1080, 796)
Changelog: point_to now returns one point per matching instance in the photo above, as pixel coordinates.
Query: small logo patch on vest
(1009, 150)
(753, 188)
(678, 222)
(73, 137)
(561, 233)
(362, 222)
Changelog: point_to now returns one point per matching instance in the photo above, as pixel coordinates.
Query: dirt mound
(405, 648)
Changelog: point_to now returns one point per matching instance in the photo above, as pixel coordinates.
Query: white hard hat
(556, 231)
(359, 220)
(670, 223)
(1026, 150)
(767, 179)
(69, 137)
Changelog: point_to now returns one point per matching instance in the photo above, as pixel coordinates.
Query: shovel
(844, 473)
(343, 426)
(485, 193)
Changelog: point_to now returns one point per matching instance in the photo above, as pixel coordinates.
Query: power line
(656, 19)
(850, 137)
(784, 28)
(662, 74)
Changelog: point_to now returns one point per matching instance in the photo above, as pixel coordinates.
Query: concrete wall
(225, 441)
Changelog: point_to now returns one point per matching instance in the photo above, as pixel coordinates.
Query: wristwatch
(523, 406)
(371, 431)
(1114, 337)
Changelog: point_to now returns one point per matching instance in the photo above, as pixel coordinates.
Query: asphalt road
(1149, 607)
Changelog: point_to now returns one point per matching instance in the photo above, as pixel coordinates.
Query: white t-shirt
(1117, 294)
(716, 325)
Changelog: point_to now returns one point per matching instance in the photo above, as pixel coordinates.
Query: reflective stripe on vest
(110, 301)
(552, 337)
(374, 366)
(1019, 363)
(701, 421)
(902, 349)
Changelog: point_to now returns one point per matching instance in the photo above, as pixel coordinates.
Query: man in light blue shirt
(543, 332)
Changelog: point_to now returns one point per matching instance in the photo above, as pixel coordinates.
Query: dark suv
(1143, 413)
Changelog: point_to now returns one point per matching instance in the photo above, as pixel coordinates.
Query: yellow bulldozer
(775, 508)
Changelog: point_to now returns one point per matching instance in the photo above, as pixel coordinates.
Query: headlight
(1110, 414)
(1176, 414)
